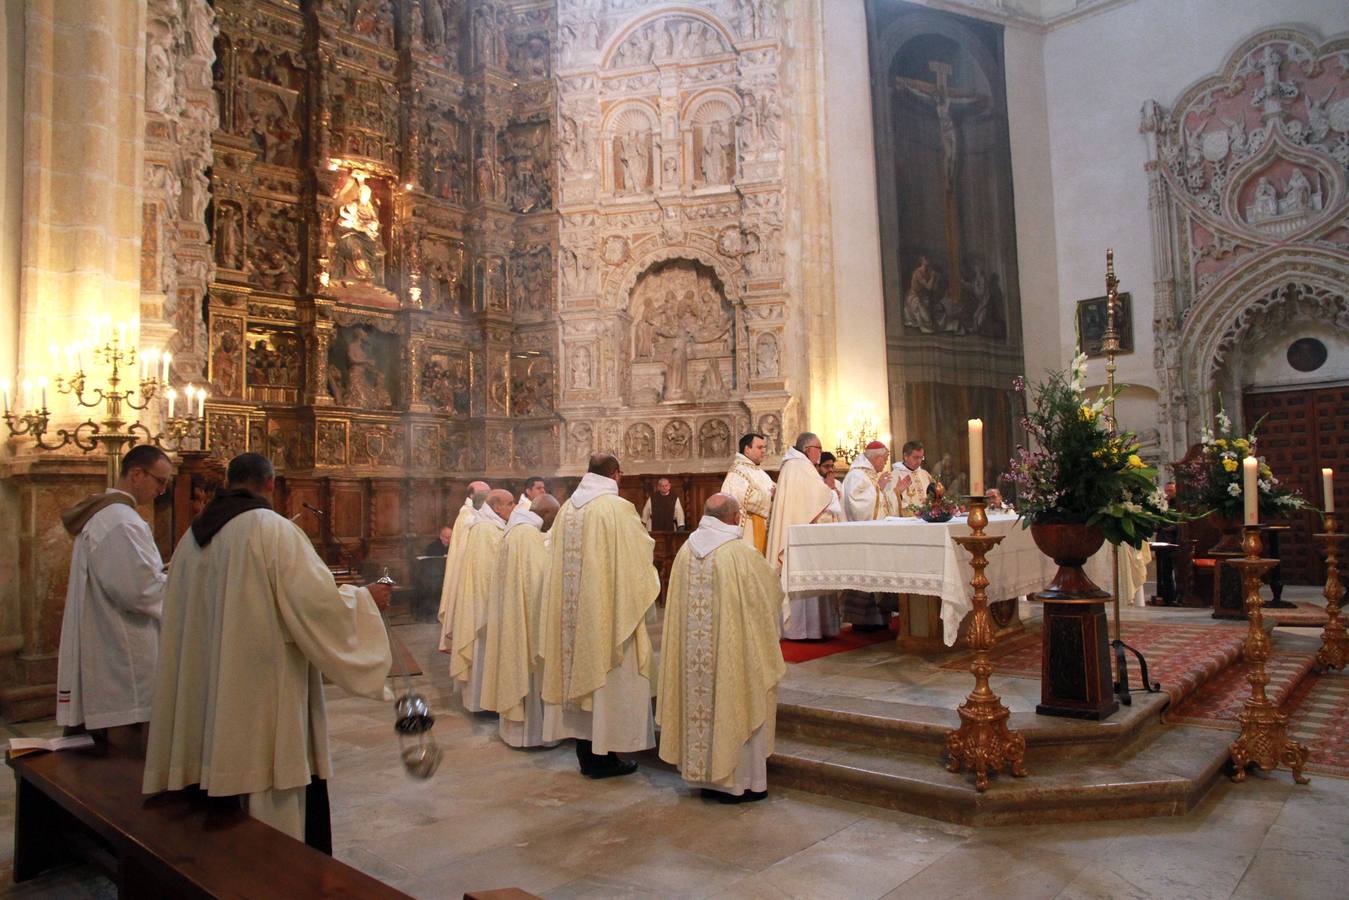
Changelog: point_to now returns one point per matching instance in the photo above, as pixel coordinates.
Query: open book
(24, 746)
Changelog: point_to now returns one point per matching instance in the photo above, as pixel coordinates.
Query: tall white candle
(201, 404)
(173, 396)
(168, 358)
(4, 392)
(42, 386)
(1328, 488)
(188, 392)
(1250, 467)
(976, 457)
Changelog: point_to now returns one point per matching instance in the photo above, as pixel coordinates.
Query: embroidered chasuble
(720, 661)
(513, 617)
(477, 574)
(752, 487)
(863, 499)
(916, 493)
(801, 497)
(601, 582)
(454, 557)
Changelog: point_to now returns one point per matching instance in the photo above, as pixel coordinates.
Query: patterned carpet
(1319, 709)
(1179, 656)
(1219, 699)
(1307, 615)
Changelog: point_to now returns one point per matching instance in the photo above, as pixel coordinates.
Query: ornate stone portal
(1248, 190)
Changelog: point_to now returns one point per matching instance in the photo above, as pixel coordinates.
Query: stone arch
(637, 265)
(1308, 281)
(638, 22)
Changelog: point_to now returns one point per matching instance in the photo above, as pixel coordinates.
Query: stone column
(83, 69)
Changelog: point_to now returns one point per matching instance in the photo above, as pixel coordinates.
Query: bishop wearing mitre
(253, 622)
(512, 681)
(597, 655)
(454, 556)
(476, 579)
(720, 660)
(802, 497)
(752, 489)
(911, 479)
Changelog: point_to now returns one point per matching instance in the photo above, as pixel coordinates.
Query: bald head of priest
(477, 492)
(545, 506)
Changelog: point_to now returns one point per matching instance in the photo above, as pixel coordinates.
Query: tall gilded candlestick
(983, 741)
(1264, 740)
(1334, 639)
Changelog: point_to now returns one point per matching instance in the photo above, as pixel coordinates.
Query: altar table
(910, 556)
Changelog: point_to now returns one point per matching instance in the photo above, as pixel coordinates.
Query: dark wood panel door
(1303, 430)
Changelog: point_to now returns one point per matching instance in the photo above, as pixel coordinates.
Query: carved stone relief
(1249, 185)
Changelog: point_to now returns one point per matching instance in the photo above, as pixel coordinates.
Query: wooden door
(1303, 431)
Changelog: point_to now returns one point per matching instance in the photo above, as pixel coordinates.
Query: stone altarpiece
(382, 310)
(948, 238)
(1248, 182)
(672, 279)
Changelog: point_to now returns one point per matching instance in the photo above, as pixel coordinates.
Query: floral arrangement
(1211, 479)
(936, 507)
(1077, 471)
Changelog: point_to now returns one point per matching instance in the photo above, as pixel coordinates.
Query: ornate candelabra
(1264, 737)
(1110, 346)
(111, 432)
(1334, 640)
(853, 440)
(983, 741)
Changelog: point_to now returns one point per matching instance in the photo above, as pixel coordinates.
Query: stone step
(1166, 777)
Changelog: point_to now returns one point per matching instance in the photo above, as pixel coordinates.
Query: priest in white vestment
(454, 557)
(911, 479)
(477, 576)
(868, 495)
(597, 655)
(110, 630)
(720, 660)
(253, 622)
(752, 488)
(512, 681)
(802, 497)
(535, 487)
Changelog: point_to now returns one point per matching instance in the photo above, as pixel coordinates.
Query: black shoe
(746, 797)
(610, 767)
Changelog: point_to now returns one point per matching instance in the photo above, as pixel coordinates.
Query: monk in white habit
(512, 678)
(110, 631)
(597, 656)
(868, 495)
(473, 501)
(752, 488)
(802, 497)
(534, 489)
(911, 479)
(253, 622)
(477, 577)
(720, 660)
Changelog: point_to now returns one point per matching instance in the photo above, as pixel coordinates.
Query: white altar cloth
(910, 556)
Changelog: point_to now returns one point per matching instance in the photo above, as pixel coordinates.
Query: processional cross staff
(944, 99)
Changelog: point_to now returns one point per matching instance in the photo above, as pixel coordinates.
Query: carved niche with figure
(683, 339)
(1250, 168)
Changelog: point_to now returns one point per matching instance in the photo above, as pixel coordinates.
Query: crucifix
(944, 100)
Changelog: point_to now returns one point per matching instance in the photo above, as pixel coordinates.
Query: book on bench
(24, 746)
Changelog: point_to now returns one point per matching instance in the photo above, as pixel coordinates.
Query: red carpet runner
(804, 651)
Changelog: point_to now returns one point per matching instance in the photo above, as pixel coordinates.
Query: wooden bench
(170, 845)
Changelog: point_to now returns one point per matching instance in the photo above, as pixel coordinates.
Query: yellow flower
(1230, 465)
(1087, 413)
(1220, 443)
(1266, 471)
(1242, 444)
(1135, 462)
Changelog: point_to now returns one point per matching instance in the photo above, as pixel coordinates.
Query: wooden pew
(169, 845)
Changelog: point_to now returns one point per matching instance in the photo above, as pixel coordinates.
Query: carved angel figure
(358, 254)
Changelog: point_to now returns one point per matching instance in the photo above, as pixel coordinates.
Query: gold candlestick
(983, 741)
(1334, 640)
(1264, 737)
